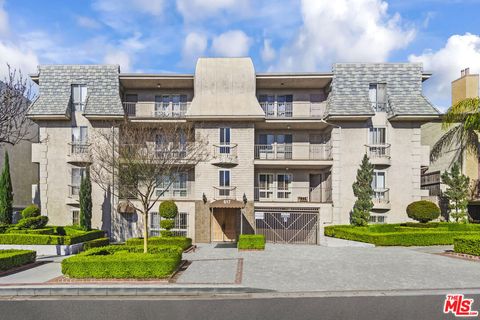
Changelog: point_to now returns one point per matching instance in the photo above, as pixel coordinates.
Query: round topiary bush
(423, 211)
(31, 211)
(168, 211)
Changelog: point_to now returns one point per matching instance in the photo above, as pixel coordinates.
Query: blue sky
(284, 35)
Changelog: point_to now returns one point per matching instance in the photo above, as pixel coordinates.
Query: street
(405, 305)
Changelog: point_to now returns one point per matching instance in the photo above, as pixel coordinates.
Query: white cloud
(459, 52)
(201, 9)
(20, 58)
(233, 43)
(194, 46)
(87, 22)
(119, 57)
(268, 53)
(3, 18)
(344, 30)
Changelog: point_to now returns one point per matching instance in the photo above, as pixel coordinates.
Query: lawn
(408, 234)
(124, 262)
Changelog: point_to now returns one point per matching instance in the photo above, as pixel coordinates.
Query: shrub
(467, 245)
(440, 236)
(101, 242)
(251, 241)
(31, 211)
(14, 258)
(181, 242)
(123, 262)
(423, 211)
(168, 211)
(167, 224)
(32, 231)
(32, 222)
(43, 239)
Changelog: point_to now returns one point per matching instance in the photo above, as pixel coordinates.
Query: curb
(119, 290)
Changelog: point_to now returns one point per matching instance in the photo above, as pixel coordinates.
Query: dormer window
(79, 97)
(378, 96)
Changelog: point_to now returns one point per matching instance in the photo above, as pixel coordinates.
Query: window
(377, 219)
(284, 105)
(267, 102)
(79, 94)
(171, 105)
(224, 140)
(77, 174)
(274, 146)
(75, 217)
(284, 182)
(378, 185)
(175, 187)
(377, 136)
(279, 107)
(79, 139)
(131, 104)
(378, 96)
(265, 185)
(180, 228)
(224, 182)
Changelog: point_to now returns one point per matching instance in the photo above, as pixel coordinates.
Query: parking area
(290, 268)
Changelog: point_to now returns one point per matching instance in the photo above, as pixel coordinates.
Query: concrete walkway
(290, 268)
(43, 273)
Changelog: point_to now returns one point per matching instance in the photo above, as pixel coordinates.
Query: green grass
(182, 242)
(467, 244)
(409, 234)
(122, 262)
(13, 258)
(251, 242)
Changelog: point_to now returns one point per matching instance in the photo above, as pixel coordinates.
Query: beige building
(285, 147)
(467, 86)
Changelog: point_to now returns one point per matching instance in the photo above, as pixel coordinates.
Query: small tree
(86, 202)
(6, 193)
(456, 193)
(168, 211)
(423, 211)
(362, 189)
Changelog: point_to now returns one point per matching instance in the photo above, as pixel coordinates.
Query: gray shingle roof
(350, 86)
(55, 82)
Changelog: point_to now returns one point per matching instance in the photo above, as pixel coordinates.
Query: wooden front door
(224, 224)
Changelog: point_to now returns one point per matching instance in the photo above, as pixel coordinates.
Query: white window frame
(282, 192)
(178, 229)
(82, 95)
(174, 190)
(267, 191)
(380, 193)
(73, 213)
(74, 187)
(224, 190)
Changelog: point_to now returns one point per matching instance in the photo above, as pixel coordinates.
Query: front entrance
(225, 224)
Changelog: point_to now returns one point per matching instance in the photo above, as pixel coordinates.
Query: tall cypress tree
(362, 189)
(86, 202)
(6, 193)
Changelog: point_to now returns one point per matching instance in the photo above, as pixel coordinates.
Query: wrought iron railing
(378, 151)
(224, 192)
(381, 196)
(293, 194)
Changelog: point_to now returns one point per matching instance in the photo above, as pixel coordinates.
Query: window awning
(227, 203)
(126, 207)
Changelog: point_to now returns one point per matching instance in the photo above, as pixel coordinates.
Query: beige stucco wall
(465, 87)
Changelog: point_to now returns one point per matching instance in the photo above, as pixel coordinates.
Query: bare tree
(15, 96)
(139, 161)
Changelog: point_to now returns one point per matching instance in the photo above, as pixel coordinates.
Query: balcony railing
(378, 151)
(282, 110)
(381, 196)
(156, 109)
(173, 192)
(380, 107)
(293, 194)
(225, 153)
(287, 151)
(220, 192)
(298, 109)
(79, 147)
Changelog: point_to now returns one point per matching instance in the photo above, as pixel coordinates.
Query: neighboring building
(467, 86)
(285, 147)
(23, 172)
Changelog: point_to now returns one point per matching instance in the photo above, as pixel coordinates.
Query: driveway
(290, 268)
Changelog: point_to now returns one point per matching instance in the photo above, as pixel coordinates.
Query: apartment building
(285, 147)
(466, 86)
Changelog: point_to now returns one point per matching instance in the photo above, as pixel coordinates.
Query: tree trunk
(145, 231)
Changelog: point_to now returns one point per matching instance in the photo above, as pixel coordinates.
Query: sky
(167, 36)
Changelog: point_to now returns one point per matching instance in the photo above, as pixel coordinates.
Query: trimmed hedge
(423, 211)
(13, 258)
(101, 242)
(32, 222)
(406, 237)
(31, 211)
(121, 262)
(43, 239)
(467, 245)
(50, 231)
(181, 242)
(251, 241)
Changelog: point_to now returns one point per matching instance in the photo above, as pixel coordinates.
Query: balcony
(380, 107)
(156, 110)
(297, 109)
(225, 154)
(293, 194)
(381, 199)
(79, 152)
(174, 192)
(379, 154)
(292, 154)
(220, 193)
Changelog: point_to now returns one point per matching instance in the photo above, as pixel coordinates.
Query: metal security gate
(287, 226)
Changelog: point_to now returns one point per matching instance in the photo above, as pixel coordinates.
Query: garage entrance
(294, 225)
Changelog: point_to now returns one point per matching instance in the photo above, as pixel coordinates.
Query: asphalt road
(236, 308)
